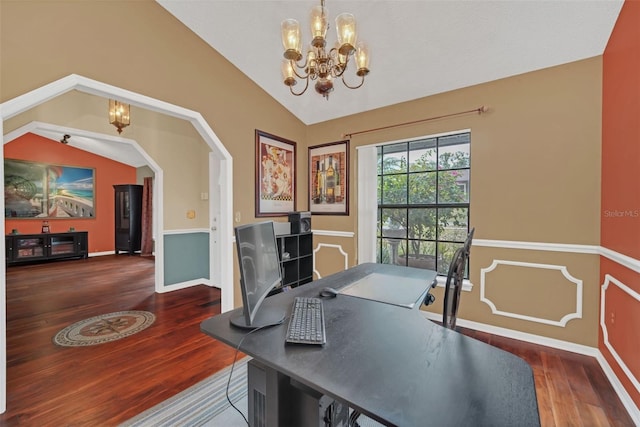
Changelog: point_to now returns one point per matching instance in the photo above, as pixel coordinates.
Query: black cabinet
(128, 216)
(21, 248)
(296, 260)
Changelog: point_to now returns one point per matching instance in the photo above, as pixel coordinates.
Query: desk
(391, 363)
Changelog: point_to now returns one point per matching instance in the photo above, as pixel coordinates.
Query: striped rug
(199, 404)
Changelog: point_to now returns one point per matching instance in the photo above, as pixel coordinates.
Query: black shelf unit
(24, 248)
(128, 218)
(296, 260)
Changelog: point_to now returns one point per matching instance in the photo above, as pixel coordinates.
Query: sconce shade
(119, 114)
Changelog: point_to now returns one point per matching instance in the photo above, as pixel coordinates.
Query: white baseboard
(627, 401)
(92, 254)
(622, 393)
(187, 284)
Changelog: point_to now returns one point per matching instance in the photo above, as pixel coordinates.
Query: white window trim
(368, 202)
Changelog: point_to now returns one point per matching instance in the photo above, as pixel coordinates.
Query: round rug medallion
(104, 328)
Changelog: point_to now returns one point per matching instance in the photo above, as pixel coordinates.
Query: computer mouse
(329, 292)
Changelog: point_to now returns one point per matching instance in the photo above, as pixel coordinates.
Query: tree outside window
(423, 201)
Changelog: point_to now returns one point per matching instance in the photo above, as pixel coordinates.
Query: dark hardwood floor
(572, 389)
(107, 384)
(48, 385)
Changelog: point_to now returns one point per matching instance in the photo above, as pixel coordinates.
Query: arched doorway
(221, 191)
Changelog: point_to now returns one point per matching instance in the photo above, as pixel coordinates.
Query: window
(423, 201)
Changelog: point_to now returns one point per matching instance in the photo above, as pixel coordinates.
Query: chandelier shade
(319, 64)
(119, 114)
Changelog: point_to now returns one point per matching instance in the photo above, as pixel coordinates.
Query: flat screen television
(259, 274)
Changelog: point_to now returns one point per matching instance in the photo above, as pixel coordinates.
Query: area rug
(199, 404)
(205, 404)
(104, 328)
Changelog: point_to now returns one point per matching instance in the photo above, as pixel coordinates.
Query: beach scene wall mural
(39, 190)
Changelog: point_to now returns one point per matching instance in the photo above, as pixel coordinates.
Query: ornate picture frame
(275, 175)
(329, 178)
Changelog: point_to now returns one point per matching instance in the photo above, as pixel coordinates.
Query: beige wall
(535, 177)
(173, 144)
(535, 154)
(148, 52)
(140, 47)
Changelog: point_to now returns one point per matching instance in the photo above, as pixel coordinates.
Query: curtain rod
(478, 110)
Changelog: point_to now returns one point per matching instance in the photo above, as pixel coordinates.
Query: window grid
(447, 199)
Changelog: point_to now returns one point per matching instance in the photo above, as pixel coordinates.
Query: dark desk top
(393, 364)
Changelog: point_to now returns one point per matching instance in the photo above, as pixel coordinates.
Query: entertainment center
(22, 248)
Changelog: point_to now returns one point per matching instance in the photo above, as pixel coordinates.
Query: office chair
(453, 286)
(455, 277)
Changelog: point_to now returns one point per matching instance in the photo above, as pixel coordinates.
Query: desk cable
(235, 356)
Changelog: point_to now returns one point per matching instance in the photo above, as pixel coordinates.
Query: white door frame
(222, 194)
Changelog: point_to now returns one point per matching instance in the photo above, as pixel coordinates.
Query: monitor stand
(262, 319)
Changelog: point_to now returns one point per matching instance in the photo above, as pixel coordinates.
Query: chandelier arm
(295, 66)
(303, 90)
(352, 87)
(337, 69)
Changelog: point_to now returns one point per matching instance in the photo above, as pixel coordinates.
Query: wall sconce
(119, 114)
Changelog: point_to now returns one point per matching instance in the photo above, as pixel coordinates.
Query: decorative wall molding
(563, 269)
(624, 260)
(609, 279)
(334, 233)
(328, 245)
(537, 246)
(186, 231)
(622, 393)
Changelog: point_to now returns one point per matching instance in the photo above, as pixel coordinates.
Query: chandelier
(320, 65)
(119, 115)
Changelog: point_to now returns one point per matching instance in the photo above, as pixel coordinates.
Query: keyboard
(306, 324)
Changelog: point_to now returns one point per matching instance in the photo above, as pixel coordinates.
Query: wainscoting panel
(186, 256)
(335, 247)
(535, 283)
(333, 252)
(623, 348)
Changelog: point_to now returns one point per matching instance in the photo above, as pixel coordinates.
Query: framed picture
(275, 175)
(329, 179)
(45, 191)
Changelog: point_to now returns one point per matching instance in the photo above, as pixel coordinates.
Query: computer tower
(300, 222)
(275, 400)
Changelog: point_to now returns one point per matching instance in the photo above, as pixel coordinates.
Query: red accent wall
(107, 174)
(620, 218)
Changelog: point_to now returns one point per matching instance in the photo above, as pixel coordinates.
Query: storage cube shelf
(296, 260)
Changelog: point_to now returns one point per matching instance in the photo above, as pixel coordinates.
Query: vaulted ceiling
(418, 47)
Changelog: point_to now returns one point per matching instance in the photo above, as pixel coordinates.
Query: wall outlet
(238, 217)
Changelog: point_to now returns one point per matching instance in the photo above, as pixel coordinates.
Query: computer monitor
(259, 274)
